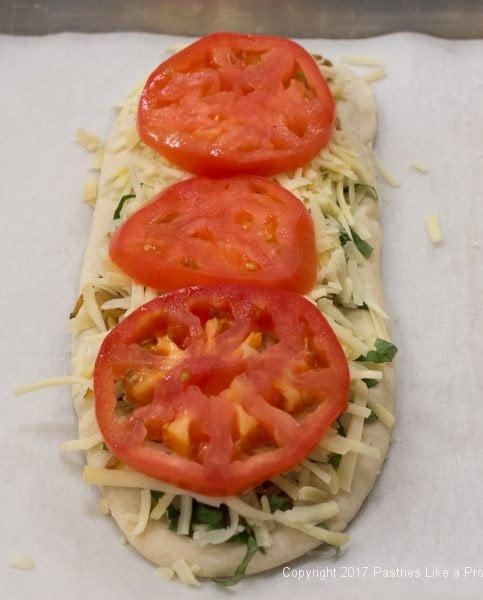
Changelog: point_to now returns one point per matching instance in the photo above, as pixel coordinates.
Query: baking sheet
(425, 512)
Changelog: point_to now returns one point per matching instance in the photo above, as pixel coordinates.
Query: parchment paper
(426, 509)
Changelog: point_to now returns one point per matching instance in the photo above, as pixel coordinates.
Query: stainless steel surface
(303, 18)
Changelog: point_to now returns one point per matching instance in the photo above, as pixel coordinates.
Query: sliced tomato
(235, 103)
(201, 231)
(218, 389)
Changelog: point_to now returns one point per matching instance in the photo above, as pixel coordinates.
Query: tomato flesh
(219, 388)
(236, 103)
(201, 231)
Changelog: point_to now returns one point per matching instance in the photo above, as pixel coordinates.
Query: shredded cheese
(384, 172)
(165, 573)
(52, 382)
(21, 561)
(419, 166)
(185, 574)
(375, 75)
(144, 508)
(434, 229)
(381, 413)
(82, 443)
(161, 507)
(186, 509)
(360, 60)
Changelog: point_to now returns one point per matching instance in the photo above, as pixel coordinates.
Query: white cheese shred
(186, 510)
(21, 561)
(81, 443)
(52, 382)
(161, 507)
(386, 174)
(419, 166)
(434, 229)
(144, 509)
(361, 60)
(185, 574)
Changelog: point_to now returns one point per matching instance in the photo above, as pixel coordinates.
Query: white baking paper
(426, 511)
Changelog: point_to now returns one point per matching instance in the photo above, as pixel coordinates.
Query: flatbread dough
(357, 117)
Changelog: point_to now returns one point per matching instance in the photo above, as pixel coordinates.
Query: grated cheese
(186, 510)
(384, 172)
(219, 536)
(381, 413)
(434, 229)
(82, 443)
(161, 507)
(143, 516)
(21, 561)
(165, 573)
(185, 574)
(52, 382)
(419, 166)
(361, 60)
(375, 75)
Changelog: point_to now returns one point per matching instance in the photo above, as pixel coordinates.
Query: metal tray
(304, 18)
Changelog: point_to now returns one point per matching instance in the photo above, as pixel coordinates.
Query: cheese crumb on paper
(21, 561)
(419, 166)
(434, 229)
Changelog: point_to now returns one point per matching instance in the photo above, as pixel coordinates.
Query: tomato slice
(202, 231)
(236, 103)
(217, 389)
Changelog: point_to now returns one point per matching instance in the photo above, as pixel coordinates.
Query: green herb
(280, 501)
(371, 418)
(341, 429)
(209, 515)
(252, 547)
(363, 306)
(367, 188)
(173, 517)
(122, 201)
(334, 460)
(383, 352)
(364, 248)
(371, 382)
(104, 447)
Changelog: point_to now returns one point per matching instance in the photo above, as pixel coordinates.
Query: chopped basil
(280, 501)
(371, 382)
(215, 518)
(122, 201)
(371, 418)
(104, 447)
(367, 188)
(249, 539)
(334, 460)
(341, 429)
(383, 352)
(363, 306)
(364, 248)
(173, 517)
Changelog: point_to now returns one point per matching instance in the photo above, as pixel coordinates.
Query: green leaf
(334, 460)
(364, 248)
(173, 517)
(341, 429)
(252, 548)
(209, 515)
(104, 447)
(383, 352)
(122, 201)
(280, 501)
(371, 382)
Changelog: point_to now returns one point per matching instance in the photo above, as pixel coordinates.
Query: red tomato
(201, 231)
(235, 103)
(219, 388)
